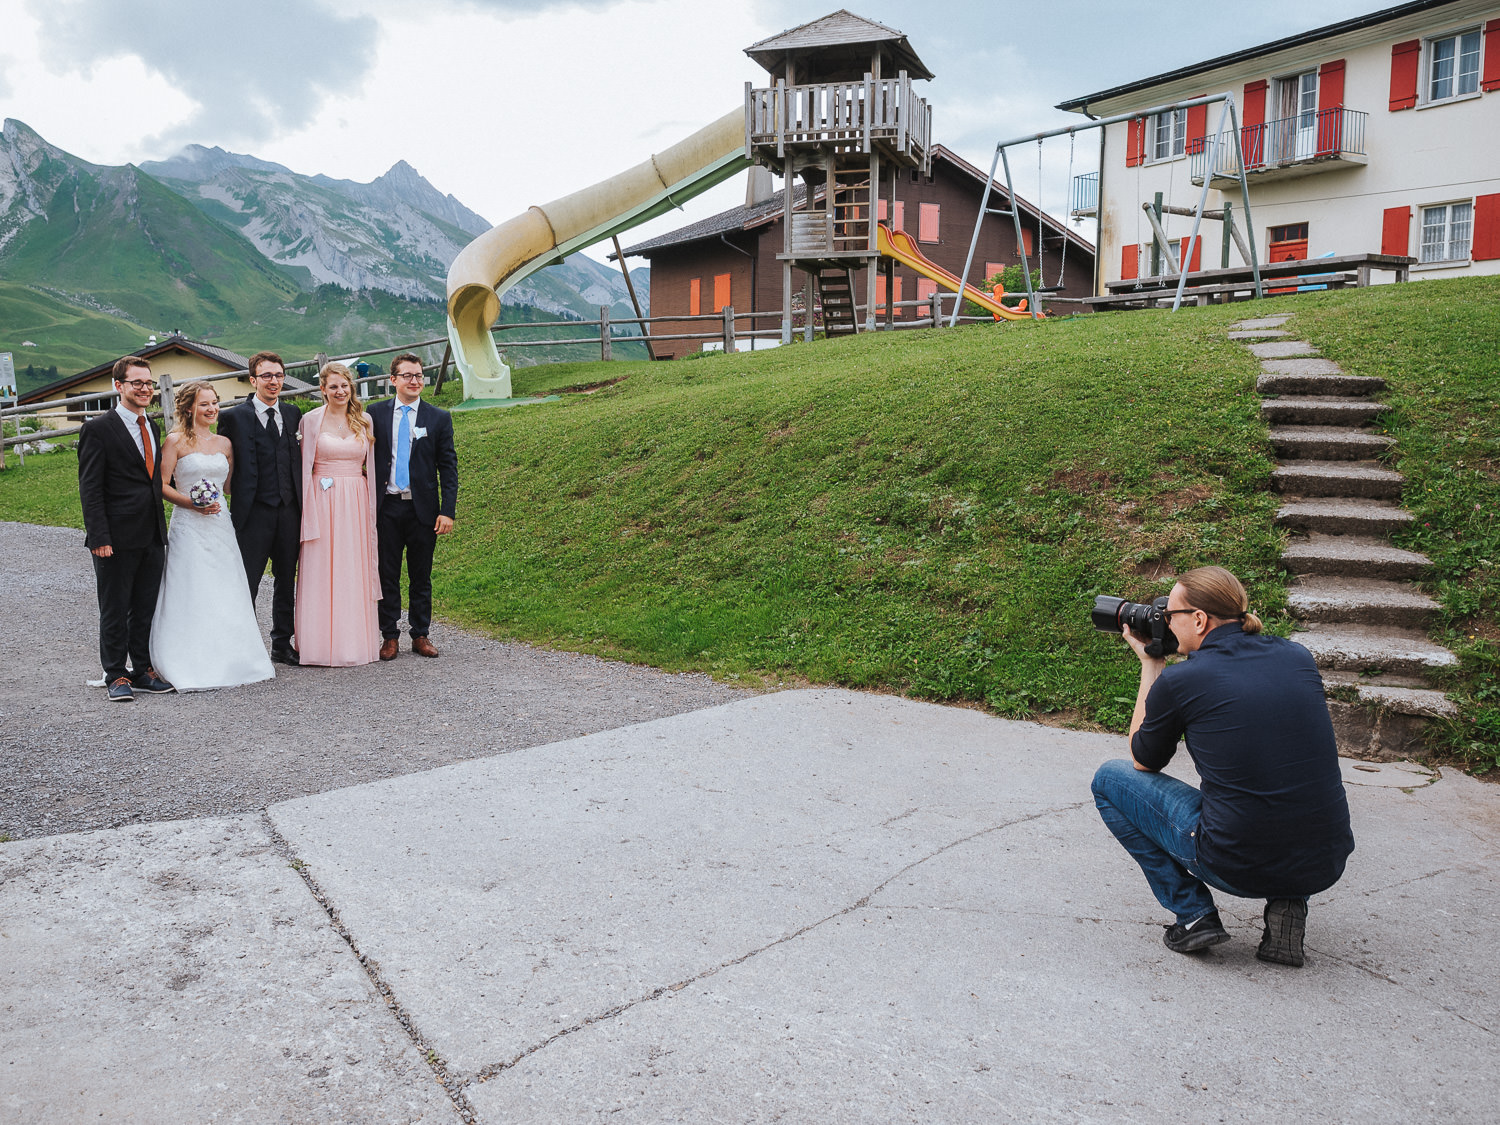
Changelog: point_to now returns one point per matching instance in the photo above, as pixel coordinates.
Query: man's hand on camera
(1139, 646)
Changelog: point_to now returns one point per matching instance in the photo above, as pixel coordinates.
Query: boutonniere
(418, 432)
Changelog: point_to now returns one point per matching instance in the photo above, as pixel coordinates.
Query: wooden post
(168, 404)
(443, 368)
(937, 310)
(1156, 244)
(728, 312)
(630, 285)
(1228, 233)
(604, 333)
(808, 302)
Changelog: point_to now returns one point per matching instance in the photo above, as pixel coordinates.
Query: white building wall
(1427, 155)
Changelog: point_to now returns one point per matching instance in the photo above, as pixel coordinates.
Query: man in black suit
(416, 489)
(119, 484)
(265, 492)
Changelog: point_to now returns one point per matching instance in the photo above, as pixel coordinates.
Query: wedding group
(333, 500)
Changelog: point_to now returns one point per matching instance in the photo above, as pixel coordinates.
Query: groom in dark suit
(265, 492)
(119, 485)
(416, 490)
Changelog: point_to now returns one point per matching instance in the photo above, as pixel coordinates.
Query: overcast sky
(508, 103)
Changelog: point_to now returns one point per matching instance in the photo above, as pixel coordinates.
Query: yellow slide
(901, 246)
(517, 248)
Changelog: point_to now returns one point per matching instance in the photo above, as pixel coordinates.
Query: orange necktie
(146, 445)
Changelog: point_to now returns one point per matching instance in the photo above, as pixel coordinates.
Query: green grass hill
(932, 512)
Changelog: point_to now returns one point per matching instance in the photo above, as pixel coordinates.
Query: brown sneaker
(423, 647)
(389, 647)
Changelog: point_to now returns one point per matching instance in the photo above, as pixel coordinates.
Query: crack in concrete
(495, 1069)
(1378, 975)
(452, 1086)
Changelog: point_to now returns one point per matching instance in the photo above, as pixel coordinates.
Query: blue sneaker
(150, 681)
(120, 691)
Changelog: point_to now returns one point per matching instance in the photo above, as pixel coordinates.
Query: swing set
(1227, 134)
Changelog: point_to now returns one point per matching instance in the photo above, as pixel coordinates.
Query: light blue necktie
(401, 474)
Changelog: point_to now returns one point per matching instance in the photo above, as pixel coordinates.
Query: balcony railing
(1085, 200)
(853, 114)
(1295, 145)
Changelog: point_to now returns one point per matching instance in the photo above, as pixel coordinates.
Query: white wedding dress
(205, 634)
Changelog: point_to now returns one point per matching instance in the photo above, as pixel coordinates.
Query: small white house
(1375, 134)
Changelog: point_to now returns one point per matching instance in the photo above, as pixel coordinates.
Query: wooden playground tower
(842, 117)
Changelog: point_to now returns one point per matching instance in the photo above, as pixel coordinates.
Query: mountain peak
(197, 164)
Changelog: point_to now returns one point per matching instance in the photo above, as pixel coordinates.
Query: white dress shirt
(129, 417)
(390, 486)
(272, 412)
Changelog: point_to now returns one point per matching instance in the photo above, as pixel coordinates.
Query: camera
(1147, 621)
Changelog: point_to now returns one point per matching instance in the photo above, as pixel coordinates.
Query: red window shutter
(1331, 107)
(695, 296)
(1490, 80)
(1197, 126)
(721, 292)
(1253, 127)
(1195, 263)
(881, 216)
(1135, 142)
(1404, 60)
(1395, 231)
(928, 215)
(1028, 241)
(1486, 245)
(899, 223)
(1130, 261)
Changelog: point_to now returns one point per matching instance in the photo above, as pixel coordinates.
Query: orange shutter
(1130, 261)
(1486, 245)
(695, 296)
(927, 221)
(1027, 241)
(897, 298)
(1395, 231)
(721, 292)
(883, 207)
(1404, 60)
(880, 292)
(992, 269)
(899, 223)
(1135, 141)
(1491, 78)
(926, 289)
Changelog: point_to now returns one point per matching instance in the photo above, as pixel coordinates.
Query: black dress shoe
(285, 656)
(120, 691)
(150, 681)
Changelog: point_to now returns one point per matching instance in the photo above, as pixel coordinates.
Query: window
(721, 292)
(899, 223)
(695, 296)
(1294, 135)
(1287, 243)
(1168, 135)
(1453, 66)
(1446, 232)
(928, 215)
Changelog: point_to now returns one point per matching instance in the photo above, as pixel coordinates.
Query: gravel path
(71, 761)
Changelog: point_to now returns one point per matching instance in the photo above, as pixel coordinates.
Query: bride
(205, 630)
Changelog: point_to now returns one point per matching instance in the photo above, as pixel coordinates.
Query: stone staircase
(1363, 618)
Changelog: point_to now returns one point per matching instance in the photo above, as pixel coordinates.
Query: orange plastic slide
(901, 246)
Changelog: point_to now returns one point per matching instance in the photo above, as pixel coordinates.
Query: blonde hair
(358, 424)
(1219, 594)
(186, 403)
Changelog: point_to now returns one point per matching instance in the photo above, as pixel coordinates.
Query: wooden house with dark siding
(736, 258)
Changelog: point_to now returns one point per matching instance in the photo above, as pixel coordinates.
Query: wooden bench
(1224, 291)
(1238, 283)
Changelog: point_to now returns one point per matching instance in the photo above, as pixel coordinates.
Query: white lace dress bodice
(204, 634)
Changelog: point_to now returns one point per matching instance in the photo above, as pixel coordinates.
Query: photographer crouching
(1271, 820)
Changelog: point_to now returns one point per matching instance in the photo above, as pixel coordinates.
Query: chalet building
(733, 258)
(175, 356)
(1372, 135)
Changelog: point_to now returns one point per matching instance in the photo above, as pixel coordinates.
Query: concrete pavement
(808, 906)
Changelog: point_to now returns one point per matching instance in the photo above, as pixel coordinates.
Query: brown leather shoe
(423, 647)
(388, 648)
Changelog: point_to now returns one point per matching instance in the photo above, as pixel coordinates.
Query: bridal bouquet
(203, 493)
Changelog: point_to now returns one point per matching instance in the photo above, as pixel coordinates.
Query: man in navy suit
(265, 493)
(416, 489)
(119, 485)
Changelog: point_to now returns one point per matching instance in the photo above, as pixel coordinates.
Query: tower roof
(839, 40)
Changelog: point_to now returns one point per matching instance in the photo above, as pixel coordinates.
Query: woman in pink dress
(338, 577)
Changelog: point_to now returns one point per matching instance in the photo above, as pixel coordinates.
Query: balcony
(1286, 148)
(1085, 198)
(881, 115)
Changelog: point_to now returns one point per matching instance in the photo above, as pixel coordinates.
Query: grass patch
(1434, 343)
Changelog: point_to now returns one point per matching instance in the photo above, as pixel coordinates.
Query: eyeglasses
(1167, 613)
(408, 375)
(138, 384)
(277, 375)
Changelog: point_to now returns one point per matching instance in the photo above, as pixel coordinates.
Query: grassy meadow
(932, 512)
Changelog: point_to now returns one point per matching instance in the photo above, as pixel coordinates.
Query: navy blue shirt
(1275, 821)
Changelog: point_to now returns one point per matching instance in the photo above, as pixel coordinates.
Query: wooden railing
(851, 113)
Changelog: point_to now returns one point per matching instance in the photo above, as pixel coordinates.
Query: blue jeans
(1156, 818)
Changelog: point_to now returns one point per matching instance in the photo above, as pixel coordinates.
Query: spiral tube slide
(541, 236)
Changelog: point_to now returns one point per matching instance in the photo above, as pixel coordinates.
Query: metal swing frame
(1227, 115)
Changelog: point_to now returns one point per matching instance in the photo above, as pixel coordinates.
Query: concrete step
(1332, 678)
(1282, 349)
(1258, 334)
(1335, 515)
(1320, 410)
(1352, 556)
(1383, 722)
(1360, 601)
(1277, 382)
(1357, 648)
(1337, 478)
(1259, 322)
(1329, 443)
